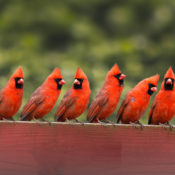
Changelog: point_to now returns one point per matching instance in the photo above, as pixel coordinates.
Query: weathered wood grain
(73, 149)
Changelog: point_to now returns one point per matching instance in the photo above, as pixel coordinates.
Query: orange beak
(76, 82)
(169, 81)
(21, 81)
(62, 82)
(154, 89)
(122, 77)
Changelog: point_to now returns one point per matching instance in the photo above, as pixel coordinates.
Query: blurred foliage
(40, 35)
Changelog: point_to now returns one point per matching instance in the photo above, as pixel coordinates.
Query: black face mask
(78, 86)
(121, 82)
(57, 80)
(150, 92)
(168, 87)
(17, 85)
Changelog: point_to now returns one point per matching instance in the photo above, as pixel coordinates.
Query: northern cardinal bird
(76, 99)
(44, 98)
(107, 99)
(163, 107)
(137, 101)
(11, 95)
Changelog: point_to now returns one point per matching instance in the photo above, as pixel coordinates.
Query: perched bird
(11, 95)
(44, 98)
(137, 101)
(163, 108)
(75, 101)
(107, 99)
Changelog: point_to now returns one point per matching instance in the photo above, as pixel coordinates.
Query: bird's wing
(96, 106)
(1, 97)
(122, 108)
(65, 104)
(151, 113)
(36, 99)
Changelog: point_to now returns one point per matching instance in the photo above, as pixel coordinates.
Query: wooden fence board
(72, 149)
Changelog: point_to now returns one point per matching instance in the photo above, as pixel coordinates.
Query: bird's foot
(12, 119)
(69, 121)
(136, 124)
(139, 123)
(4, 119)
(163, 125)
(44, 120)
(9, 119)
(112, 123)
(167, 124)
(100, 122)
(37, 121)
(170, 126)
(77, 121)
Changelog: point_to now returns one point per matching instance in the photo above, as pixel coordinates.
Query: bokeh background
(39, 35)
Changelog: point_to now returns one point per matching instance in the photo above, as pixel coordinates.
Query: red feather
(107, 99)
(11, 95)
(44, 98)
(136, 101)
(76, 99)
(163, 108)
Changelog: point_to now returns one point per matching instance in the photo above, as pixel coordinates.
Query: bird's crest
(80, 74)
(18, 73)
(56, 73)
(153, 80)
(114, 70)
(169, 73)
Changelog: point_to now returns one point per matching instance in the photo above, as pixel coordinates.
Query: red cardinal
(11, 95)
(107, 99)
(163, 107)
(76, 99)
(137, 101)
(44, 98)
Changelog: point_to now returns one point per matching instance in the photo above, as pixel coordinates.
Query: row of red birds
(76, 99)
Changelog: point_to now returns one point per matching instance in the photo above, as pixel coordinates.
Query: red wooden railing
(28, 148)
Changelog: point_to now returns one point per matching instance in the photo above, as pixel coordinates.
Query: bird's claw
(100, 122)
(37, 121)
(109, 122)
(136, 124)
(69, 121)
(167, 124)
(77, 121)
(49, 122)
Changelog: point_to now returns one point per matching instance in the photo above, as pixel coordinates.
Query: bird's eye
(117, 76)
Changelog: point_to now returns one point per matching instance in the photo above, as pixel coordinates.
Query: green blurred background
(39, 35)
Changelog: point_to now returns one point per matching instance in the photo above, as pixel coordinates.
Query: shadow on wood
(72, 149)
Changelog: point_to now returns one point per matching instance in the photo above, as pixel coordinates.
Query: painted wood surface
(73, 149)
